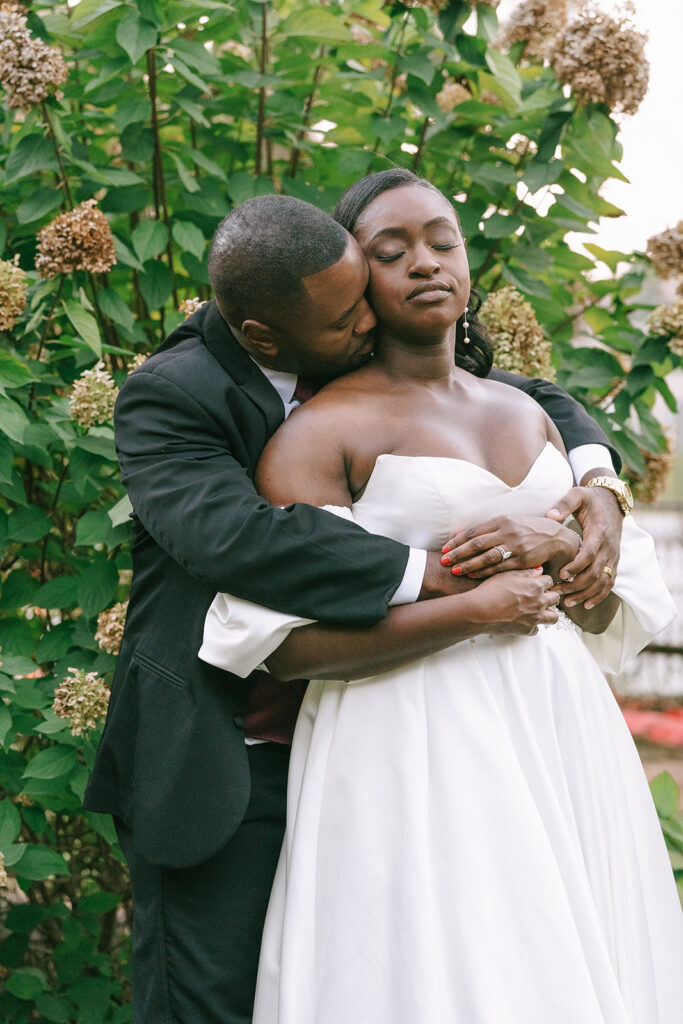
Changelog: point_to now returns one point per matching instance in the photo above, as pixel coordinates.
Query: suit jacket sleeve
(198, 502)
(575, 425)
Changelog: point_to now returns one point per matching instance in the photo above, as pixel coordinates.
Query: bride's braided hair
(477, 357)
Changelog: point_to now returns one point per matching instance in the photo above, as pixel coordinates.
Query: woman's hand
(516, 602)
(600, 518)
(531, 541)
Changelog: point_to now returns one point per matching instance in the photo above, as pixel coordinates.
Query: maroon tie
(304, 390)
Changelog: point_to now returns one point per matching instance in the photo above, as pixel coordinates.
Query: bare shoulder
(512, 400)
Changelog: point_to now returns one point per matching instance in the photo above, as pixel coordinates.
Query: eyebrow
(401, 232)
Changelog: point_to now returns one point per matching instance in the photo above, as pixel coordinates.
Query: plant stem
(294, 159)
(262, 92)
(420, 144)
(392, 83)
(159, 183)
(53, 140)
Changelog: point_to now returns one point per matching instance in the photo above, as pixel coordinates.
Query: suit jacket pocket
(160, 670)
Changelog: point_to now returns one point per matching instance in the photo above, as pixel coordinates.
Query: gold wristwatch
(620, 490)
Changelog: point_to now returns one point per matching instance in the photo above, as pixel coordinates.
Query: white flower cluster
(93, 396)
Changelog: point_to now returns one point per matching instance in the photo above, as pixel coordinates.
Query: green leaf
(26, 982)
(134, 111)
(28, 524)
(60, 592)
(85, 325)
(505, 73)
(5, 726)
(527, 284)
(190, 237)
(98, 445)
(121, 511)
(94, 527)
(10, 819)
(32, 153)
(500, 226)
(39, 863)
(417, 64)
(13, 418)
(40, 202)
(149, 238)
(315, 23)
(135, 35)
(665, 794)
(51, 763)
(113, 306)
(156, 284)
(18, 589)
(52, 1009)
(208, 165)
(124, 254)
(196, 56)
(609, 256)
(54, 644)
(189, 182)
(182, 69)
(99, 902)
(97, 586)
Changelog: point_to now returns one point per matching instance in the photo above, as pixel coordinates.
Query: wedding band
(607, 569)
(504, 555)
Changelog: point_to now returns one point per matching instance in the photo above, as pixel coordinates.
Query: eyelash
(395, 256)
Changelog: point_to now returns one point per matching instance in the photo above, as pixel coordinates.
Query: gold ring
(607, 569)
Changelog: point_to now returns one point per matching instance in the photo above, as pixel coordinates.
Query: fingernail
(538, 566)
(564, 575)
(445, 560)
(456, 570)
(470, 575)
(588, 606)
(445, 549)
(569, 603)
(553, 511)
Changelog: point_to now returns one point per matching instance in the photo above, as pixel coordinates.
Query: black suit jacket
(190, 426)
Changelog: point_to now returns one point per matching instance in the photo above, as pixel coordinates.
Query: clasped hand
(536, 540)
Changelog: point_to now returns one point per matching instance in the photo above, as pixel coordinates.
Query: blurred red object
(663, 727)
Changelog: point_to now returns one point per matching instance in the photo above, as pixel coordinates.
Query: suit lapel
(227, 351)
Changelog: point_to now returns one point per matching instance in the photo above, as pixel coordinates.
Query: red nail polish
(445, 549)
(539, 566)
(456, 570)
(470, 575)
(444, 560)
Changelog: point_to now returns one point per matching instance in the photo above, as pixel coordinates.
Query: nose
(424, 262)
(366, 319)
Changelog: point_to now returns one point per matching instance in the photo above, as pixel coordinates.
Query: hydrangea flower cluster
(516, 336)
(12, 292)
(93, 396)
(29, 70)
(110, 625)
(452, 94)
(81, 699)
(79, 239)
(666, 252)
(536, 23)
(649, 487)
(190, 306)
(4, 877)
(668, 321)
(602, 59)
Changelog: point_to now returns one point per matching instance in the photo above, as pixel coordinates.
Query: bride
(470, 836)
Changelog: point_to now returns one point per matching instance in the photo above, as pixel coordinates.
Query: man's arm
(198, 502)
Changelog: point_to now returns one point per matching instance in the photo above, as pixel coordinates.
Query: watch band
(620, 490)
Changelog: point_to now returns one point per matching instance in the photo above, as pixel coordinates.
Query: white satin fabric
(471, 838)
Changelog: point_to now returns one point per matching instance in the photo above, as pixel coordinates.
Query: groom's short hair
(263, 249)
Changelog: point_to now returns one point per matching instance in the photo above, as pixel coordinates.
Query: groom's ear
(261, 338)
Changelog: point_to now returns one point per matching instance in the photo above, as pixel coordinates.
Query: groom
(199, 806)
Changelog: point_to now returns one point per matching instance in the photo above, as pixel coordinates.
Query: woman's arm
(512, 603)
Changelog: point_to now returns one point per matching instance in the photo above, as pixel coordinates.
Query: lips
(433, 289)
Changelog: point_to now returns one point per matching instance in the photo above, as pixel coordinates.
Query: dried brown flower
(452, 95)
(79, 239)
(536, 23)
(12, 292)
(4, 877)
(238, 49)
(602, 58)
(666, 251)
(668, 320)
(650, 486)
(190, 306)
(93, 396)
(29, 70)
(361, 35)
(514, 331)
(81, 699)
(110, 625)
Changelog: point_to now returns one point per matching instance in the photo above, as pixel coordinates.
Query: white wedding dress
(470, 839)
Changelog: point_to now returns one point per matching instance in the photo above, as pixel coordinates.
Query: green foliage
(667, 798)
(171, 114)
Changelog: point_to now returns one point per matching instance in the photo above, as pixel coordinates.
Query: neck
(402, 358)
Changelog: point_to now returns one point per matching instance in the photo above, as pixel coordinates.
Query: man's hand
(597, 511)
(440, 582)
(532, 541)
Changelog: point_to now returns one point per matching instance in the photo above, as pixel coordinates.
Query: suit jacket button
(238, 721)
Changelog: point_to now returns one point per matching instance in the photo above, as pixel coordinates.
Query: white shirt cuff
(589, 456)
(410, 586)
